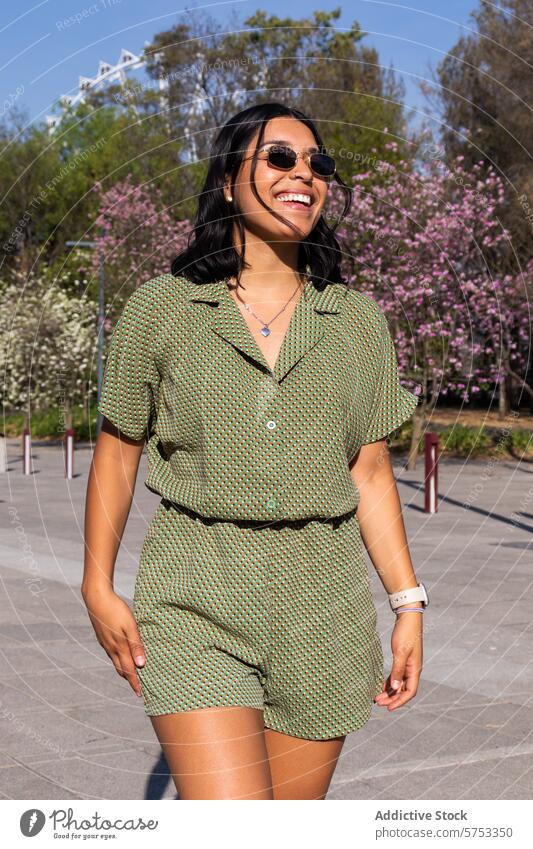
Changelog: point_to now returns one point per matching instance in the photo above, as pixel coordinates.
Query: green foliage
(48, 181)
(519, 441)
(26, 213)
(308, 62)
(49, 424)
(463, 440)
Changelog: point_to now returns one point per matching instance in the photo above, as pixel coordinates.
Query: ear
(227, 188)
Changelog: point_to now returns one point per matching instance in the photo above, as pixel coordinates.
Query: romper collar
(310, 319)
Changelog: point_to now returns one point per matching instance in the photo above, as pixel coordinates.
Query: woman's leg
(216, 753)
(301, 769)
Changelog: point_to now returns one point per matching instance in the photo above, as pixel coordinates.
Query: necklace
(265, 329)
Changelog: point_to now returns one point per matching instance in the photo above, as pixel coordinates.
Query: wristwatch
(418, 593)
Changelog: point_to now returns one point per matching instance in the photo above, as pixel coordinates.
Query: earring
(229, 200)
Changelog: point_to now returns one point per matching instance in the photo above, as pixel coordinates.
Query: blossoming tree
(136, 237)
(47, 340)
(428, 246)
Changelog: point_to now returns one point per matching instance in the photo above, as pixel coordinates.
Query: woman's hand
(406, 644)
(116, 631)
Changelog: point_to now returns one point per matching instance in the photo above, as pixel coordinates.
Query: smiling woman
(253, 631)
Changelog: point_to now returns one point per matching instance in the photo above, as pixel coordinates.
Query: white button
(271, 425)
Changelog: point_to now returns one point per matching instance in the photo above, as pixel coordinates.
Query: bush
(465, 441)
(48, 424)
(519, 441)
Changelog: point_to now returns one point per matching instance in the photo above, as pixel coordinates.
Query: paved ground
(71, 728)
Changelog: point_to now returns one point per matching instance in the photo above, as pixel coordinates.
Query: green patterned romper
(252, 586)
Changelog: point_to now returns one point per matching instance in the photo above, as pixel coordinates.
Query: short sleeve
(393, 404)
(131, 379)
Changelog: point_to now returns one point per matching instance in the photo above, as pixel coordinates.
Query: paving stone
(24, 782)
(130, 774)
(46, 733)
(465, 781)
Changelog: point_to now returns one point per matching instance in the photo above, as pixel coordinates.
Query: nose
(302, 167)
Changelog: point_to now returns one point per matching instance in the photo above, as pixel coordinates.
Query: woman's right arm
(110, 490)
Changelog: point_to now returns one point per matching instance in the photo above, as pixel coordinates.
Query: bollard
(69, 453)
(26, 452)
(3, 454)
(431, 494)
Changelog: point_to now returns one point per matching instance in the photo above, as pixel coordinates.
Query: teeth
(293, 196)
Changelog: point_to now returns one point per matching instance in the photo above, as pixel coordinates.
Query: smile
(295, 200)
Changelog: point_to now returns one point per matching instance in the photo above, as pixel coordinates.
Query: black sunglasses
(280, 156)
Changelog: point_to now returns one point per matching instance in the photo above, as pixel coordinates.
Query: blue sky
(48, 44)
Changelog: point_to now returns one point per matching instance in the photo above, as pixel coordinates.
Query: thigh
(216, 753)
(301, 769)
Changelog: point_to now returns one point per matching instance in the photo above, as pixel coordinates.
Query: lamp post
(101, 319)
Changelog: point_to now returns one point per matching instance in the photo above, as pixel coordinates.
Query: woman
(265, 390)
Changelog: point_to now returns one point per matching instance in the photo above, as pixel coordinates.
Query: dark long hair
(210, 254)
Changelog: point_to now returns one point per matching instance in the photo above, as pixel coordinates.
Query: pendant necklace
(265, 329)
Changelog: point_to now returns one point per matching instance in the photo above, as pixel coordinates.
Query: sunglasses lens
(282, 157)
(285, 157)
(323, 164)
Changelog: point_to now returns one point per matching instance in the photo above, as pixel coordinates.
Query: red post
(431, 490)
(3, 454)
(26, 452)
(69, 453)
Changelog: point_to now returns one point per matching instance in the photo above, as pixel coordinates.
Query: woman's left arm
(383, 532)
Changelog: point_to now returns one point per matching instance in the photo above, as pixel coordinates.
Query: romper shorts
(277, 616)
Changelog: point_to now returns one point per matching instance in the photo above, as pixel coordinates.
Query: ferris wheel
(106, 74)
(119, 72)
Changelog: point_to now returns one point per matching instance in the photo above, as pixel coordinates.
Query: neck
(272, 273)
(265, 287)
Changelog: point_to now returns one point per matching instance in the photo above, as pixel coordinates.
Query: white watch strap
(406, 596)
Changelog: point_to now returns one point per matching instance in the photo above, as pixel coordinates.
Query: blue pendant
(265, 331)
